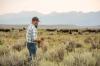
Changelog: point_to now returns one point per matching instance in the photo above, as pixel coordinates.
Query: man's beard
(36, 26)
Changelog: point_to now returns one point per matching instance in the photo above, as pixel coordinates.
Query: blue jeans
(32, 50)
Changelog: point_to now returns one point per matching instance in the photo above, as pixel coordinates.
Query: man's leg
(30, 53)
(30, 56)
(34, 50)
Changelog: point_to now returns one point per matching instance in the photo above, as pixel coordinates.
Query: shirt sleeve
(34, 33)
(28, 37)
(27, 34)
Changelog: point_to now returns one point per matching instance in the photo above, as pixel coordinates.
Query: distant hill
(3, 26)
(54, 18)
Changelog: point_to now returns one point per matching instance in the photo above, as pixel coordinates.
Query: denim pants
(32, 50)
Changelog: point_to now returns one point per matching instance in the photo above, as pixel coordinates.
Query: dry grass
(62, 49)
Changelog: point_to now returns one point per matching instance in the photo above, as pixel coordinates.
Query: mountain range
(54, 18)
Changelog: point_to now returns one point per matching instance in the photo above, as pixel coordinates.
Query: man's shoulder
(31, 26)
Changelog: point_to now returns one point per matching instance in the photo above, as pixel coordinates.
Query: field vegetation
(60, 48)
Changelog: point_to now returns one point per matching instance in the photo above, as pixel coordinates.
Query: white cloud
(46, 6)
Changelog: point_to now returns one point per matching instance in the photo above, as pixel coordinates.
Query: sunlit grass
(63, 49)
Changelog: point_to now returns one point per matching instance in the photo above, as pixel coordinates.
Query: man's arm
(35, 38)
(34, 34)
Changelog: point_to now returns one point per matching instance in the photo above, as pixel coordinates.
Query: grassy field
(63, 49)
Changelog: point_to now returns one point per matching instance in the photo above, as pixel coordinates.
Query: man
(31, 37)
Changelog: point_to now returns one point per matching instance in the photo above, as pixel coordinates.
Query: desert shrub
(69, 60)
(18, 47)
(43, 45)
(96, 54)
(1, 42)
(98, 46)
(84, 59)
(15, 58)
(5, 30)
(93, 41)
(56, 54)
(97, 42)
(80, 59)
(88, 40)
(4, 50)
(48, 63)
(11, 60)
(71, 45)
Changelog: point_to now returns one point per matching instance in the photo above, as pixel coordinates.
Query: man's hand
(39, 41)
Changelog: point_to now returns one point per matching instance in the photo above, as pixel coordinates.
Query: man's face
(35, 23)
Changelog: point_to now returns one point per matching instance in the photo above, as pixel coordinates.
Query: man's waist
(31, 41)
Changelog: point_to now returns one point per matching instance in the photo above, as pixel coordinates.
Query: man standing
(31, 37)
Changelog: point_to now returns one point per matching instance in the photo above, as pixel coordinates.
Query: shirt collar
(33, 25)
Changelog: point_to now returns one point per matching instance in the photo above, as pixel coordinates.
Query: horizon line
(54, 24)
(49, 12)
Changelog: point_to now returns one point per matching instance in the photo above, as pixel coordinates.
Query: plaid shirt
(31, 34)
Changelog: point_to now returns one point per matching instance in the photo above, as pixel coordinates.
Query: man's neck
(35, 25)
